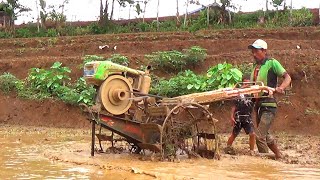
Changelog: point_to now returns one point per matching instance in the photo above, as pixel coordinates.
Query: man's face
(259, 54)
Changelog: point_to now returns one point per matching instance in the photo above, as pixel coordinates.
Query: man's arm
(285, 83)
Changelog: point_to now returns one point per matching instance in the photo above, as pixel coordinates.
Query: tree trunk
(105, 11)
(267, 1)
(38, 23)
(178, 17)
(144, 10)
(186, 15)
(208, 15)
(111, 15)
(158, 15)
(101, 9)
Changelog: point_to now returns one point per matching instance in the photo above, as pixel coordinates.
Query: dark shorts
(245, 123)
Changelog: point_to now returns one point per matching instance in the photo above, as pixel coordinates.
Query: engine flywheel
(115, 94)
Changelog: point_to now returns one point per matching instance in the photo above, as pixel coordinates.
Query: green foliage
(52, 32)
(301, 17)
(42, 80)
(246, 20)
(52, 83)
(119, 59)
(4, 34)
(176, 60)
(116, 58)
(78, 93)
(167, 60)
(143, 27)
(195, 55)
(23, 33)
(245, 68)
(223, 75)
(187, 82)
(90, 58)
(8, 82)
(179, 85)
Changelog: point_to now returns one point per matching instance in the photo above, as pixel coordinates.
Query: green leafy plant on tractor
(176, 60)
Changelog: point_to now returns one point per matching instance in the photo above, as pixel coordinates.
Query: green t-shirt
(268, 73)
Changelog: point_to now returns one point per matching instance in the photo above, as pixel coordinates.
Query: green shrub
(168, 60)
(43, 80)
(302, 17)
(143, 27)
(119, 59)
(195, 55)
(8, 82)
(23, 33)
(179, 85)
(4, 34)
(52, 32)
(176, 60)
(187, 82)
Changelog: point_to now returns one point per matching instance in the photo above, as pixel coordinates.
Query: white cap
(258, 44)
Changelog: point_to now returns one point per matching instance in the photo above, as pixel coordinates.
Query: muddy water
(39, 153)
(21, 158)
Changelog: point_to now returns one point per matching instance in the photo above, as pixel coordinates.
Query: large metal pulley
(115, 94)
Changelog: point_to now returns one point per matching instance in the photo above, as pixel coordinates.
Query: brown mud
(38, 152)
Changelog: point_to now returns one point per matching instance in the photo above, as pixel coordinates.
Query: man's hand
(233, 121)
(280, 90)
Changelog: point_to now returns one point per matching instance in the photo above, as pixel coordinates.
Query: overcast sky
(88, 10)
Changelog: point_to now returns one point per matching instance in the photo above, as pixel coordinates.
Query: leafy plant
(184, 83)
(167, 60)
(195, 55)
(8, 82)
(119, 59)
(223, 75)
(47, 80)
(176, 60)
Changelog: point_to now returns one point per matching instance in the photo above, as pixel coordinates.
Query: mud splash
(51, 153)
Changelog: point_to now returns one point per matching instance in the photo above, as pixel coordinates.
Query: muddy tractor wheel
(190, 129)
(115, 94)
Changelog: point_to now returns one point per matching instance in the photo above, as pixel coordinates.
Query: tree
(51, 13)
(277, 3)
(144, 9)
(177, 14)
(43, 13)
(224, 12)
(104, 8)
(13, 9)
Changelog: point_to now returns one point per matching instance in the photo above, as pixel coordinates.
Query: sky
(88, 10)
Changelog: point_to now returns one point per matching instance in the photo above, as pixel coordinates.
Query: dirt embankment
(297, 49)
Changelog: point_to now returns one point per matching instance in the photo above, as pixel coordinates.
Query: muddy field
(298, 118)
(60, 153)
